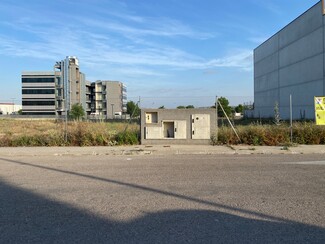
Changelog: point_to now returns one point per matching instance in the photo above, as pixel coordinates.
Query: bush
(127, 138)
(271, 135)
(308, 133)
(51, 133)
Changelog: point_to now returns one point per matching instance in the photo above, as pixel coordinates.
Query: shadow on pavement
(147, 189)
(26, 217)
(29, 218)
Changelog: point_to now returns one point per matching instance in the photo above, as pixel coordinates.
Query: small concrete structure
(177, 126)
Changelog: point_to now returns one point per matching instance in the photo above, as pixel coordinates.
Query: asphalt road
(163, 199)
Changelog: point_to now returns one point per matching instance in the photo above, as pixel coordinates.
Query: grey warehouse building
(291, 62)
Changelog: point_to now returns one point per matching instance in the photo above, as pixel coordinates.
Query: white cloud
(161, 27)
(93, 49)
(269, 6)
(126, 48)
(242, 59)
(258, 40)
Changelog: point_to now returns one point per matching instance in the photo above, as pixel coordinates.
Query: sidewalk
(160, 150)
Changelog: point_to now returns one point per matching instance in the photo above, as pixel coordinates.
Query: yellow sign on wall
(320, 110)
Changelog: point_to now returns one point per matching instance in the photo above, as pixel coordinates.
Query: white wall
(9, 108)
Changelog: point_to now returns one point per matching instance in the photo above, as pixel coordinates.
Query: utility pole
(290, 118)
(217, 129)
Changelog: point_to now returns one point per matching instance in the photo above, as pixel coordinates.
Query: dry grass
(52, 133)
(272, 135)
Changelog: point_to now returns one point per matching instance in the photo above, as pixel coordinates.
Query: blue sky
(168, 52)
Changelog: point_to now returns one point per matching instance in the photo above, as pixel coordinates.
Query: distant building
(71, 86)
(90, 107)
(291, 62)
(109, 99)
(39, 93)
(9, 108)
(55, 92)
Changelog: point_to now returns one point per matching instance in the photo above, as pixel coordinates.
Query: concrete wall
(183, 119)
(114, 96)
(108, 96)
(291, 62)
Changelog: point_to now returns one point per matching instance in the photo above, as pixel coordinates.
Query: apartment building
(90, 108)
(71, 86)
(109, 98)
(55, 92)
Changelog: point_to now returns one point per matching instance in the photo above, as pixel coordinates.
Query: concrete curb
(161, 150)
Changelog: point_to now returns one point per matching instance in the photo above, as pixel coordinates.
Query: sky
(167, 52)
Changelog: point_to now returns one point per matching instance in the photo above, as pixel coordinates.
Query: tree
(162, 107)
(187, 107)
(276, 113)
(77, 111)
(239, 108)
(132, 109)
(225, 104)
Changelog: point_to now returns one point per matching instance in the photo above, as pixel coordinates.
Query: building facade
(291, 62)
(9, 108)
(55, 92)
(109, 99)
(39, 93)
(71, 86)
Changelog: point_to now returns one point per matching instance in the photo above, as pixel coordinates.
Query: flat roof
(37, 72)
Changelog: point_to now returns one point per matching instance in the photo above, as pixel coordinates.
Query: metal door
(180, 129)
(153, 133)
(200, 126)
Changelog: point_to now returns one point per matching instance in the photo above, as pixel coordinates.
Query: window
(38, 91)
(151, 117)
(37, 80)
(38, 103)
(38, 113)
